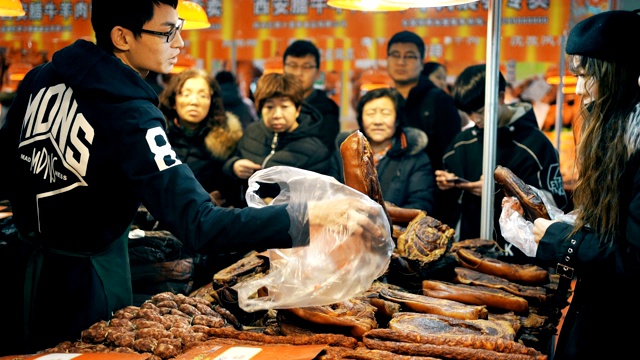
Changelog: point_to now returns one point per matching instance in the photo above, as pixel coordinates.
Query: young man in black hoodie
(302, 59)
(83, 147)
(520, 146)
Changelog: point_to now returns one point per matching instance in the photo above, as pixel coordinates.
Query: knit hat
(605, 36)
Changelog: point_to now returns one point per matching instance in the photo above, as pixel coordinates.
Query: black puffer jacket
(233, 102)
(300, 148)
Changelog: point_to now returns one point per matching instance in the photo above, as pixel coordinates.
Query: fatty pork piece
(425, 239)
(472, 277)
(384, 308)
(478, 295)
(432, 324)
(431, 305)
(419, 253)
(354, 316)
(460, 347)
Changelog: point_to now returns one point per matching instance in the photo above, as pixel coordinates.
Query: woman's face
(586, 86)
(379, 119)
(439, 78)
(193, 102)
(280, 114)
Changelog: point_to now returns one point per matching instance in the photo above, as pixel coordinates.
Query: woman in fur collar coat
(201, 132)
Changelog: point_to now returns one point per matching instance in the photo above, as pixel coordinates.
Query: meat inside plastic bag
(519, 231)
(339, 262)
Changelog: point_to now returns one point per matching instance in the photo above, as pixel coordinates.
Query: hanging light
(424, 3)
(365, 5)
(11, 8)
(194, 15)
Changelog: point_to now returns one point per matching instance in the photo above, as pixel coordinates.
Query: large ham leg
(513, 186)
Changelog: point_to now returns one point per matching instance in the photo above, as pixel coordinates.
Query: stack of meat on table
(437, 300)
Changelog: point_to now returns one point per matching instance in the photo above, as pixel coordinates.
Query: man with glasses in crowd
(428, 107)
(83, 146)
(302, 59)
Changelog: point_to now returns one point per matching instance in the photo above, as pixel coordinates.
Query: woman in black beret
(601, 250)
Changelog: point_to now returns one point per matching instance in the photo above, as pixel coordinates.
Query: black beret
(605, 36)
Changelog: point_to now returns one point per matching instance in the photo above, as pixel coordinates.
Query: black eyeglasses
(171, 34)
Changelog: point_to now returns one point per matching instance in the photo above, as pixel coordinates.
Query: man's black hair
(468, 89)
(131, 15)
(302, 48)
(225, 77)
(407, 37)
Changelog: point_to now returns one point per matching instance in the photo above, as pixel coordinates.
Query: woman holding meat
(602, 248)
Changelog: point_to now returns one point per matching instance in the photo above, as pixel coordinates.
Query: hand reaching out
(347, 214)
(540, 226)
(244, 168)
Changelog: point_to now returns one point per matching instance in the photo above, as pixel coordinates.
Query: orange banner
(259, 30)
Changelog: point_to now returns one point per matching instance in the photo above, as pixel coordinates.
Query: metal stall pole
(490, 115)
(560, 95)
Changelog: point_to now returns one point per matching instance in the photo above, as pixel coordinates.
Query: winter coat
(206, 150)
(522, 148)
(596, 325)
(330, 114)
(233, 102)
(432, 110)
(300, 148)
(85, 145)
(404, 173)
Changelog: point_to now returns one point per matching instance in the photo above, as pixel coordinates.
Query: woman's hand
(540, 226)
(244, 168)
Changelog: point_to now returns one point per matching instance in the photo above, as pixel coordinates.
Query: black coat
(522, 148)
(330, 113)
(205, 151)
(431, 110)
(604, 302)
(300, 148)
(405, 174)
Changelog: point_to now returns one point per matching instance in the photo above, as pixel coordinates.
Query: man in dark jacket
(233, 100)
(83, 147)
(302, 59)
(520, 146)
(428, 107)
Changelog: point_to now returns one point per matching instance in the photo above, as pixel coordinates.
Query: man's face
(152, 52)
(404, 63)
(304, 68)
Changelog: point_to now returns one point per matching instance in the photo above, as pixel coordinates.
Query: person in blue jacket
(601, 249)
(404, 169)
(83, 146)
(520, 146)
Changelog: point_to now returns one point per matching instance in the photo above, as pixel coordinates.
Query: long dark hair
(215, 117)
(603, 150)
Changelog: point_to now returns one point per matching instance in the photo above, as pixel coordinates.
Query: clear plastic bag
(519, 231)
(337, 264)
